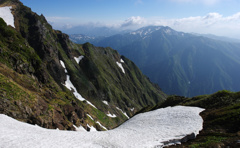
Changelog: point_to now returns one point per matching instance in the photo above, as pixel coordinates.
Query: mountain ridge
(45, 67)
(181, 63)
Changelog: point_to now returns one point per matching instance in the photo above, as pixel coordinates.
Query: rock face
(33, 80)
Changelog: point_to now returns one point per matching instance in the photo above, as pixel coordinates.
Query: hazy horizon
(217, 17)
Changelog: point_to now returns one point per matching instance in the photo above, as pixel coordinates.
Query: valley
(180, 63)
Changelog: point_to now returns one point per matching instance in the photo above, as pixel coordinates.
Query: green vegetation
(209, 141)
(12, 91)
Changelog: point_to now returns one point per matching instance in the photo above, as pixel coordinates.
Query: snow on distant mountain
(5, 13)
(81, 39)
(150, 129)
(145, 31)
(76, 37)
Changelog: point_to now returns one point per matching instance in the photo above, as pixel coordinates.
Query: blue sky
(220, 17)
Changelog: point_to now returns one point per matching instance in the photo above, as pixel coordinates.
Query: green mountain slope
(180, 63)
(35, 85)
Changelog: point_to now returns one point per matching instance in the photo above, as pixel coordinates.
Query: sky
(219, 17)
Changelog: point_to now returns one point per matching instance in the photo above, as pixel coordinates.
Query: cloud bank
(211, 23)
(133, 22)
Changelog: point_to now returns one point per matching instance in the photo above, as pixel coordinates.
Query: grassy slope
(20, 86)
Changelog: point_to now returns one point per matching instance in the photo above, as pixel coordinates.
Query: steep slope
(180, 63)
(221, 118)
(50, 81)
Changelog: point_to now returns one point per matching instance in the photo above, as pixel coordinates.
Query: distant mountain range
(221, 38)
(81, 38)
(181, 63)
(94, 31)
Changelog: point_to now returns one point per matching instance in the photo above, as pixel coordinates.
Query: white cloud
(213, 16)
(235, 17)
(213, 23)
(133, 21)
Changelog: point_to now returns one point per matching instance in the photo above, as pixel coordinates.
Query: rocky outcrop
(179, 141)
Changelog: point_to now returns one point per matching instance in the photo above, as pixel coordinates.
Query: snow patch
(120, 66)
(101, 125)
(111, 115)
(150, 129)
(63, 65)
(71, 87)
(79, 58)
(168, 31)
(105, 102)
(92, 128)
(122, 112)
(140, 32)
(133, 33)
(90, 117)
(121, 61)
(5, 13)
(79, 129)
(132, 109)
(145, 32)
(88, 102)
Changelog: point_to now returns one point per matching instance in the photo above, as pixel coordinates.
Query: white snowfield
(5, 13)
(149, 129)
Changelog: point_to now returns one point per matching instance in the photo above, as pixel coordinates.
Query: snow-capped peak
(146, 30)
